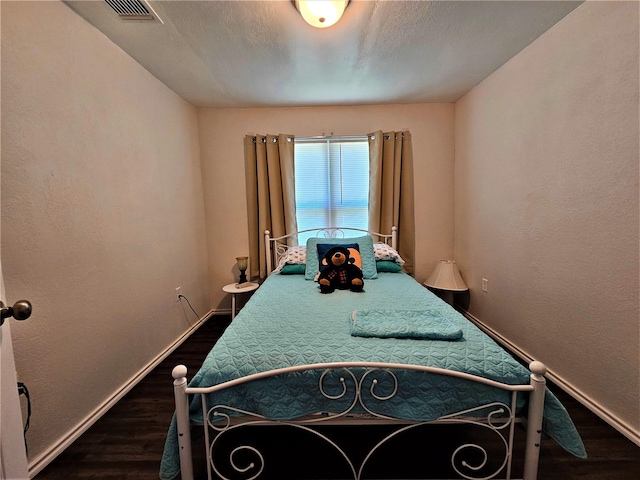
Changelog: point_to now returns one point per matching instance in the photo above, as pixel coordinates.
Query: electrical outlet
(178, 293)
(485, 285)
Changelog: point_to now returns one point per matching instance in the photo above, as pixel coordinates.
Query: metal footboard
(496, 418)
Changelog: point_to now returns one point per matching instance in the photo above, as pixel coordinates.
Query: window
(332, 183)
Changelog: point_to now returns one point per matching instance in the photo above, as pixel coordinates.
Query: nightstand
(236, 288)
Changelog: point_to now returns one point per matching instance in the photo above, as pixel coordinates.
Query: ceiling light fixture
(321, 13)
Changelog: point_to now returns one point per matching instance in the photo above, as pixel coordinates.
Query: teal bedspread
(288, 322)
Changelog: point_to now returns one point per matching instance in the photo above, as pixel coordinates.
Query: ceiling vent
(132, 9)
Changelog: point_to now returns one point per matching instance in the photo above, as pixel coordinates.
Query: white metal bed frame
(496, 417)
(276, 247)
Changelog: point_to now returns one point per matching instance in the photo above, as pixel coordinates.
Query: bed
(297, 359)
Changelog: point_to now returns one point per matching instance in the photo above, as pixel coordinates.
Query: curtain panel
(271, 199)
(391, 196)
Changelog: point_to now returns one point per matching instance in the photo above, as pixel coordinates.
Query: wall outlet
(178, 293)
(485, 285)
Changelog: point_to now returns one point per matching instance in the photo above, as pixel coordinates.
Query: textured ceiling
(261, 53)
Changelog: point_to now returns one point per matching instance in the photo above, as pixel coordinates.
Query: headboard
(276, 247)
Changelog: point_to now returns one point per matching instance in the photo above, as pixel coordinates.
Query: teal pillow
(366, 252)
(388, 266)
(296, 269)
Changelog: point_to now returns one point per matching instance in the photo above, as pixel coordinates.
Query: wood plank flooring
(127, 442)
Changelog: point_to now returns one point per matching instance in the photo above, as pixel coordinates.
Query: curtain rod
(332, 136)
(347, 137)
(264, 139)
(337, 138)
(343, 138)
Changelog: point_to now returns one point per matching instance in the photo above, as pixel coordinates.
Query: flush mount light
(321, 13)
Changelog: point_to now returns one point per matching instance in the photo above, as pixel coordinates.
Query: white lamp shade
(446, 276)
(321, 13)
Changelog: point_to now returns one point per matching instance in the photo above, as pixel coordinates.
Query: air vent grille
(131, 9)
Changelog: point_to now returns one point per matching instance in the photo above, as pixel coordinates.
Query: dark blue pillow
(323, 248)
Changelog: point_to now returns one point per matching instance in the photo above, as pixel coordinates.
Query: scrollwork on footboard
(470, 460)
(500, 417)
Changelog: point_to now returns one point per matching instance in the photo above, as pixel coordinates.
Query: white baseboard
(599, 410)
(40, 462)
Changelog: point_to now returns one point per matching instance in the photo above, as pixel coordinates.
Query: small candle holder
(242, 266)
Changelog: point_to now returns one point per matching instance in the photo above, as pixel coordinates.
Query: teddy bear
(340, 272)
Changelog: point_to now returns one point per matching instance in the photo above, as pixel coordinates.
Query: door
(13, 457)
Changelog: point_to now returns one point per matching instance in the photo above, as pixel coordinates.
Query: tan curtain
(271, 199)
(391, 189)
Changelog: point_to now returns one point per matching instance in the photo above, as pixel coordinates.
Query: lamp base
(243, 277)
(444, 295)
(447, 296)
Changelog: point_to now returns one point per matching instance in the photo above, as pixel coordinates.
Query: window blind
(332, 183)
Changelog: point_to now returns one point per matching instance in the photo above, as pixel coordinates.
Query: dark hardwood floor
(127, 442)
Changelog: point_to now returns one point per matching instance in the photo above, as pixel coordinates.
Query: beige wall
(102, 214)
(546, 204)
(221, 137)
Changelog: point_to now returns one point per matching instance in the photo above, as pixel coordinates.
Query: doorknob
(21, 310)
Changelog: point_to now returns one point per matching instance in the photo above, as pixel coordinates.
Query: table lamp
(446, 276)
(242, 266)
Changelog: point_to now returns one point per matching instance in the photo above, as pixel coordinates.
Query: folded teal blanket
(422, 324)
